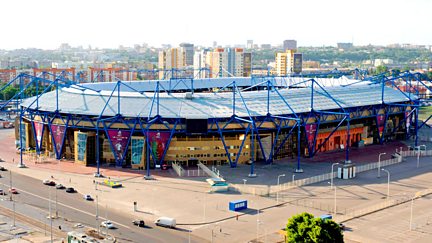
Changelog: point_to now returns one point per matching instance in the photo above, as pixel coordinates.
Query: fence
(268, 190)
(209, 172)
(388, 203)
(178, 169)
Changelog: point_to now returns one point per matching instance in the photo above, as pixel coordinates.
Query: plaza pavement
(188, 200)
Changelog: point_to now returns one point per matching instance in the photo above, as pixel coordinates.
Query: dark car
(3, 168)
(70, 190)
(139, 223)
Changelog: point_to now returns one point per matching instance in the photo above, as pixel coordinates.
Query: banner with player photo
(119, 143)
(58, 134)
(38, 132)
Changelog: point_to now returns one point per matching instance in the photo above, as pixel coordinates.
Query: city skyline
(109, 24)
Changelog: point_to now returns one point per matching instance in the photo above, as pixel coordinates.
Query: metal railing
(178, 169)
(271, 189)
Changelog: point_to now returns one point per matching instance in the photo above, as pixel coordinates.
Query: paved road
(393, 224)
(75, 209)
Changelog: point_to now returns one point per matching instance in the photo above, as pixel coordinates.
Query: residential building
(289, 45)
(188, 50)
(345, 46)
(201, 68)
(229, 62)
(288, 62)
(249, 44)
(170, 59)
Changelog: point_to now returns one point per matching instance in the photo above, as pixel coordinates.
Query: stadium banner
(158, 142)
(381, 123)
(311, 130)
(58, 133)
(119, 141)
(39, 130)
(82, 146)
(137, 150)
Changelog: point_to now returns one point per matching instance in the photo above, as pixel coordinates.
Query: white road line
(67, 206)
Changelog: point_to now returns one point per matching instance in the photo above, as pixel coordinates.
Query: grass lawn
(425, 112)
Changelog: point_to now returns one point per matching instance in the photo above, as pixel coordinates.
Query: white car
(88, 197)
(107, 224)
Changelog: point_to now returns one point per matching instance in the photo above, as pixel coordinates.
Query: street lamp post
(411, 216)
(418, 154)
(388, 182)
(379, 164)
(50, 216)
(334, 199)
(332, 175)
(97, 214)
(277, 192)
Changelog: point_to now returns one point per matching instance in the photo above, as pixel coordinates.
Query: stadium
(152, 124)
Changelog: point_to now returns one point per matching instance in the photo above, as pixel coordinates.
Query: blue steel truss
(252, 126)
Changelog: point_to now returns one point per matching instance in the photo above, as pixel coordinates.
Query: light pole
(388, 182)
(334, 199)
(97, 214)
(411, 216)
(332, 175)
(379, 164)
(189, 236)
(212, 232)
(277, 192)
(56, 213)
(418, 154)
(50, 216)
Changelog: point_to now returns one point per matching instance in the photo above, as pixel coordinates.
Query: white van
(166, 222)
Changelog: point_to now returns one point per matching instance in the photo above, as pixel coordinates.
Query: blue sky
(110, 23)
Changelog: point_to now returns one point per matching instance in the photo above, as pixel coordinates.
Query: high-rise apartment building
(222, 62)
(201, 68)
(249, 44)
(289, 45)
(172, 58)
(288, 62)
(227, 62)
(188, 50)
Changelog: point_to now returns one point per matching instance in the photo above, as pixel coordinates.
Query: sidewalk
(188, 200)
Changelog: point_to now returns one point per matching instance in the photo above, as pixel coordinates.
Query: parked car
(70, 190)
(2, 192)
(13, 190)
(107, 224)
(88, 197)
(60, 186)
(3, 168)
(139, 223)
(166, 222)
(342, 226)
(49, 182)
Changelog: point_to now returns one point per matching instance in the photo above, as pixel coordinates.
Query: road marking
(67, 206)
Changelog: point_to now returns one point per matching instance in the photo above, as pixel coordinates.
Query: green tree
(381, 69)
(306, 228)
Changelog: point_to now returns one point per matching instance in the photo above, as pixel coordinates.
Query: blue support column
(97, 151)
(416, 126)
(21, 165)
(348, 140)
(298, 170)
(147, 155)
(252, 172)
